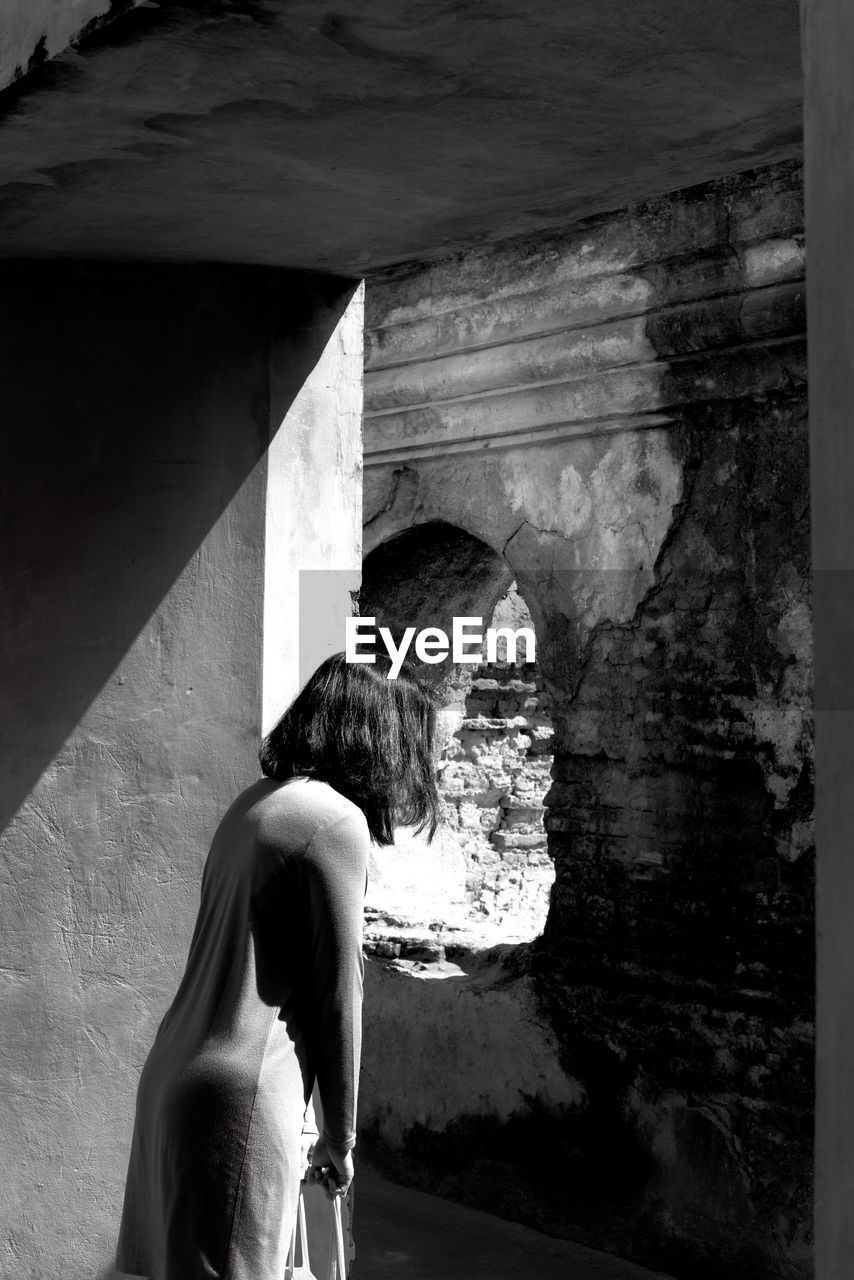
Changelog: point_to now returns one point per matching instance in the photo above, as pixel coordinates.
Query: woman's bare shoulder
(297, 810)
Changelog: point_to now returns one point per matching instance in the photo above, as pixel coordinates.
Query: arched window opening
(486, 877)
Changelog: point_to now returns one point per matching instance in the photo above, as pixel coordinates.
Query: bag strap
(337, 1261)
(300, 1234)
(290, 1261)
(337, 1256)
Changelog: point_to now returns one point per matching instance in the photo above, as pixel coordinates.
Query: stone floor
(406, 1235)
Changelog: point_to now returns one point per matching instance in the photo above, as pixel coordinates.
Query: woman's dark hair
(368, 736)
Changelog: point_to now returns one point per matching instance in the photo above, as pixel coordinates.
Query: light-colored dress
(270, 1002)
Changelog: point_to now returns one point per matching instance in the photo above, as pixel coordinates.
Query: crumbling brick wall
(493, 789)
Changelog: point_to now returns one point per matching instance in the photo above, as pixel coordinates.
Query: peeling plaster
(607, 525)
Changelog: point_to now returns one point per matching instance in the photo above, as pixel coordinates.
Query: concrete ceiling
(349, 138)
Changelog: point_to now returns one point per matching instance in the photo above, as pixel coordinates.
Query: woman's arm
(335, 869)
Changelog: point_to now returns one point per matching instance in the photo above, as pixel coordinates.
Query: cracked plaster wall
(621, 415)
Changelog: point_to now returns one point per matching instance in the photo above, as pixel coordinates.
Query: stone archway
(429, 574)
(486, 878)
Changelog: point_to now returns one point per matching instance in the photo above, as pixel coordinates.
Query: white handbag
(299, 1249)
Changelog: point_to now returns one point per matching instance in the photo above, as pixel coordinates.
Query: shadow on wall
(125, 404)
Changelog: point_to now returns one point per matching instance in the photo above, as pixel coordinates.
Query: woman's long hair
(368, 736)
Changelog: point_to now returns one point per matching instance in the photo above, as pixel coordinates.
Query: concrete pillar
(314, 512)
(138, 407)
(828, 27)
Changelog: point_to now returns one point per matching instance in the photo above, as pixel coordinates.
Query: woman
(270, 1001)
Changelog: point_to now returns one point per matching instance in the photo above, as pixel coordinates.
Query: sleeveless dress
(270, 1003)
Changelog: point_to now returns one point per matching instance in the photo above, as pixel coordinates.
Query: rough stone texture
(678, 956)
(138, 406)
(343, 139)
(628, 431)
(493, 785)
(828, 54)
(486, 876)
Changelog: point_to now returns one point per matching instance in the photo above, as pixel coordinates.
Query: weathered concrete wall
(344, 138)
(31, 31)
(478, 1060)
(138, 405)
(620, 414)
(828, 53)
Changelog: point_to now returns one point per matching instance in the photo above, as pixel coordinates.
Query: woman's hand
(331, 1170)
(308, 1142)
